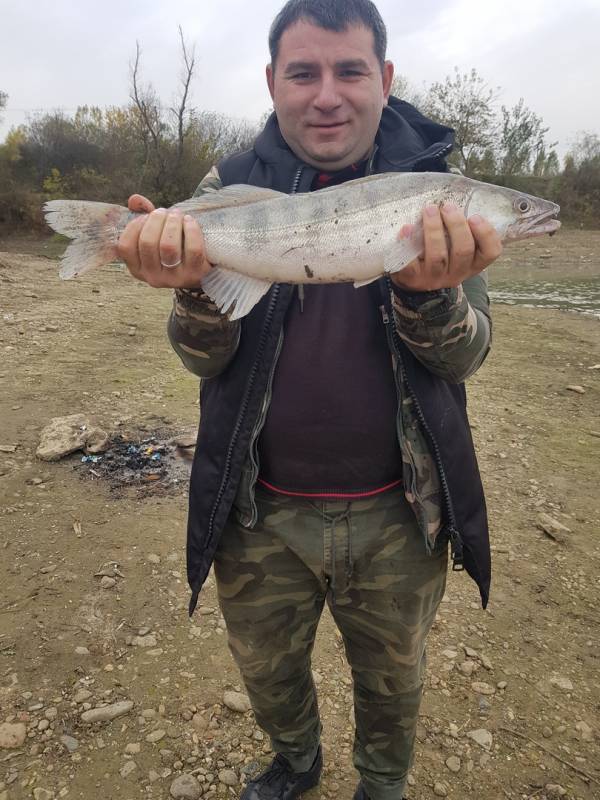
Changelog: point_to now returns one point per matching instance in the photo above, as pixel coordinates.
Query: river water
(581, 296)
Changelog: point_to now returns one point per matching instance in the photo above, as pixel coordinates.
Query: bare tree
(189, 61)
(466, 103)
(523, 144)
(3, 99)
(404, 90)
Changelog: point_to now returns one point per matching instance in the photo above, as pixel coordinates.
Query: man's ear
(387, 77)
(270, 80)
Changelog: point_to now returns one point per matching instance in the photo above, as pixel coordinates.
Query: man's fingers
(487, 241)
(148, 246)
(436, 248)
(171, 245)
(127, 246)
(137, 202)
(195, 264)
(461, 241)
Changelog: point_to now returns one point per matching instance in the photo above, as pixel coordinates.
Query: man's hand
(163, 248)
(455, 249)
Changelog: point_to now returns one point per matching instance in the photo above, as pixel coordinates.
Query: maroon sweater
(331, 424)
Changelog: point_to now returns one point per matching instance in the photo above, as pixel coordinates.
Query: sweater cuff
(438, 298)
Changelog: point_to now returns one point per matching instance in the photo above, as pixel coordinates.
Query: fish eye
(523, 205)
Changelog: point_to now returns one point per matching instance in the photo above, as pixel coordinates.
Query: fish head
(515, 215)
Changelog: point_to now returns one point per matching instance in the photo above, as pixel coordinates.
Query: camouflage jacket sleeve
(203, 338)
(449, 331)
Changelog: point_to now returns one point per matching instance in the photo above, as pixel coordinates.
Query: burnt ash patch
(149, 465)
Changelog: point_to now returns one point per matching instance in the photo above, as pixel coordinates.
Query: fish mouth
(545, 222)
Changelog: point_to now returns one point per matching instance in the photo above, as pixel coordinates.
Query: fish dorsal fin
(356, 181)
(238, 194)
(227, 288)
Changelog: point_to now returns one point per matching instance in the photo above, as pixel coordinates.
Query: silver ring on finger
(170, 266)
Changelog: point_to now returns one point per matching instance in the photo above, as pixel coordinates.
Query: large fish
(348, 233)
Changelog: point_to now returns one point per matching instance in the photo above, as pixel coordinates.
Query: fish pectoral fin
(358, 284)
(238, 194)
(403, 251)
(227, 289)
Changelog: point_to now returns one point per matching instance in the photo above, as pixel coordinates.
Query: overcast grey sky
(62, 54)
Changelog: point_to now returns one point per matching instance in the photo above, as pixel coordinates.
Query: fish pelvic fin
(403, 251)
(95, 229)
(227, 289)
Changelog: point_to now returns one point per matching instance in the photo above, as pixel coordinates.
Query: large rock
(64, 435)
(185, 786)
(106, 713)
(12, 734)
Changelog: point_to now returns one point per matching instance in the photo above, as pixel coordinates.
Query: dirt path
(524, 674)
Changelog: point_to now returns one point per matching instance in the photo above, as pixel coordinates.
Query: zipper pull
(301, 296)
(384, 315)
(456, 547)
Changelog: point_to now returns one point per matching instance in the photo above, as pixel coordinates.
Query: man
(334, 457)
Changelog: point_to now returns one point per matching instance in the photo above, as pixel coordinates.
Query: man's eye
(350, 73)
(302, 76)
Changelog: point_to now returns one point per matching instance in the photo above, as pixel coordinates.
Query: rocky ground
(108, 690)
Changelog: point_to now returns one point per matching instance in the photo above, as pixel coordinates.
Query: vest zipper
(244, 408)
(253, 449)
(451, 528)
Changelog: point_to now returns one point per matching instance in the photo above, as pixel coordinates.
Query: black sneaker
(280, 782)
(361, 793)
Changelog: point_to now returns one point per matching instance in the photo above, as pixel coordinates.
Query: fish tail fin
(95, 229)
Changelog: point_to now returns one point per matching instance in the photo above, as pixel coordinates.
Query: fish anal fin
(366, 282)
(230, 289)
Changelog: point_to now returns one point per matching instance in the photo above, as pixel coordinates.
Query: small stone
(133, 748)
(156, 736)
(501, 685)
(237, 701)
(554, 791)
(228, 777)
(144, 641)
(200, 722)
(575, 388)
(107, 583)
(482, 737)
(127, 769)
(439, 789)
(467, 668)
(153, 558)
(449, 654)
(12, 735)
(42, 794)
(553, 528)
(43, 724)
(546, 732)
(107, 713)
(480, 687)
(82, 651)
(82, 695)
(69, 742)
(453, 763)
(185, 786)
(586, 733)
(562, 683)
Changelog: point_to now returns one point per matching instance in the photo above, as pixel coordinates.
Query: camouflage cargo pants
(367, 559)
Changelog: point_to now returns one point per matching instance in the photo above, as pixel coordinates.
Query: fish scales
(256, 237)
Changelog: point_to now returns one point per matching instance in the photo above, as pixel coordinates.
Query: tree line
(163, 151)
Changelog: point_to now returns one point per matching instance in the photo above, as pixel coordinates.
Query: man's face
(328, 92)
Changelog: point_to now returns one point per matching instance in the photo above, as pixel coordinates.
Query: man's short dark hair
(333, 15)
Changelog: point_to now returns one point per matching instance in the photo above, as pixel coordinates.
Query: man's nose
(328, 97)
